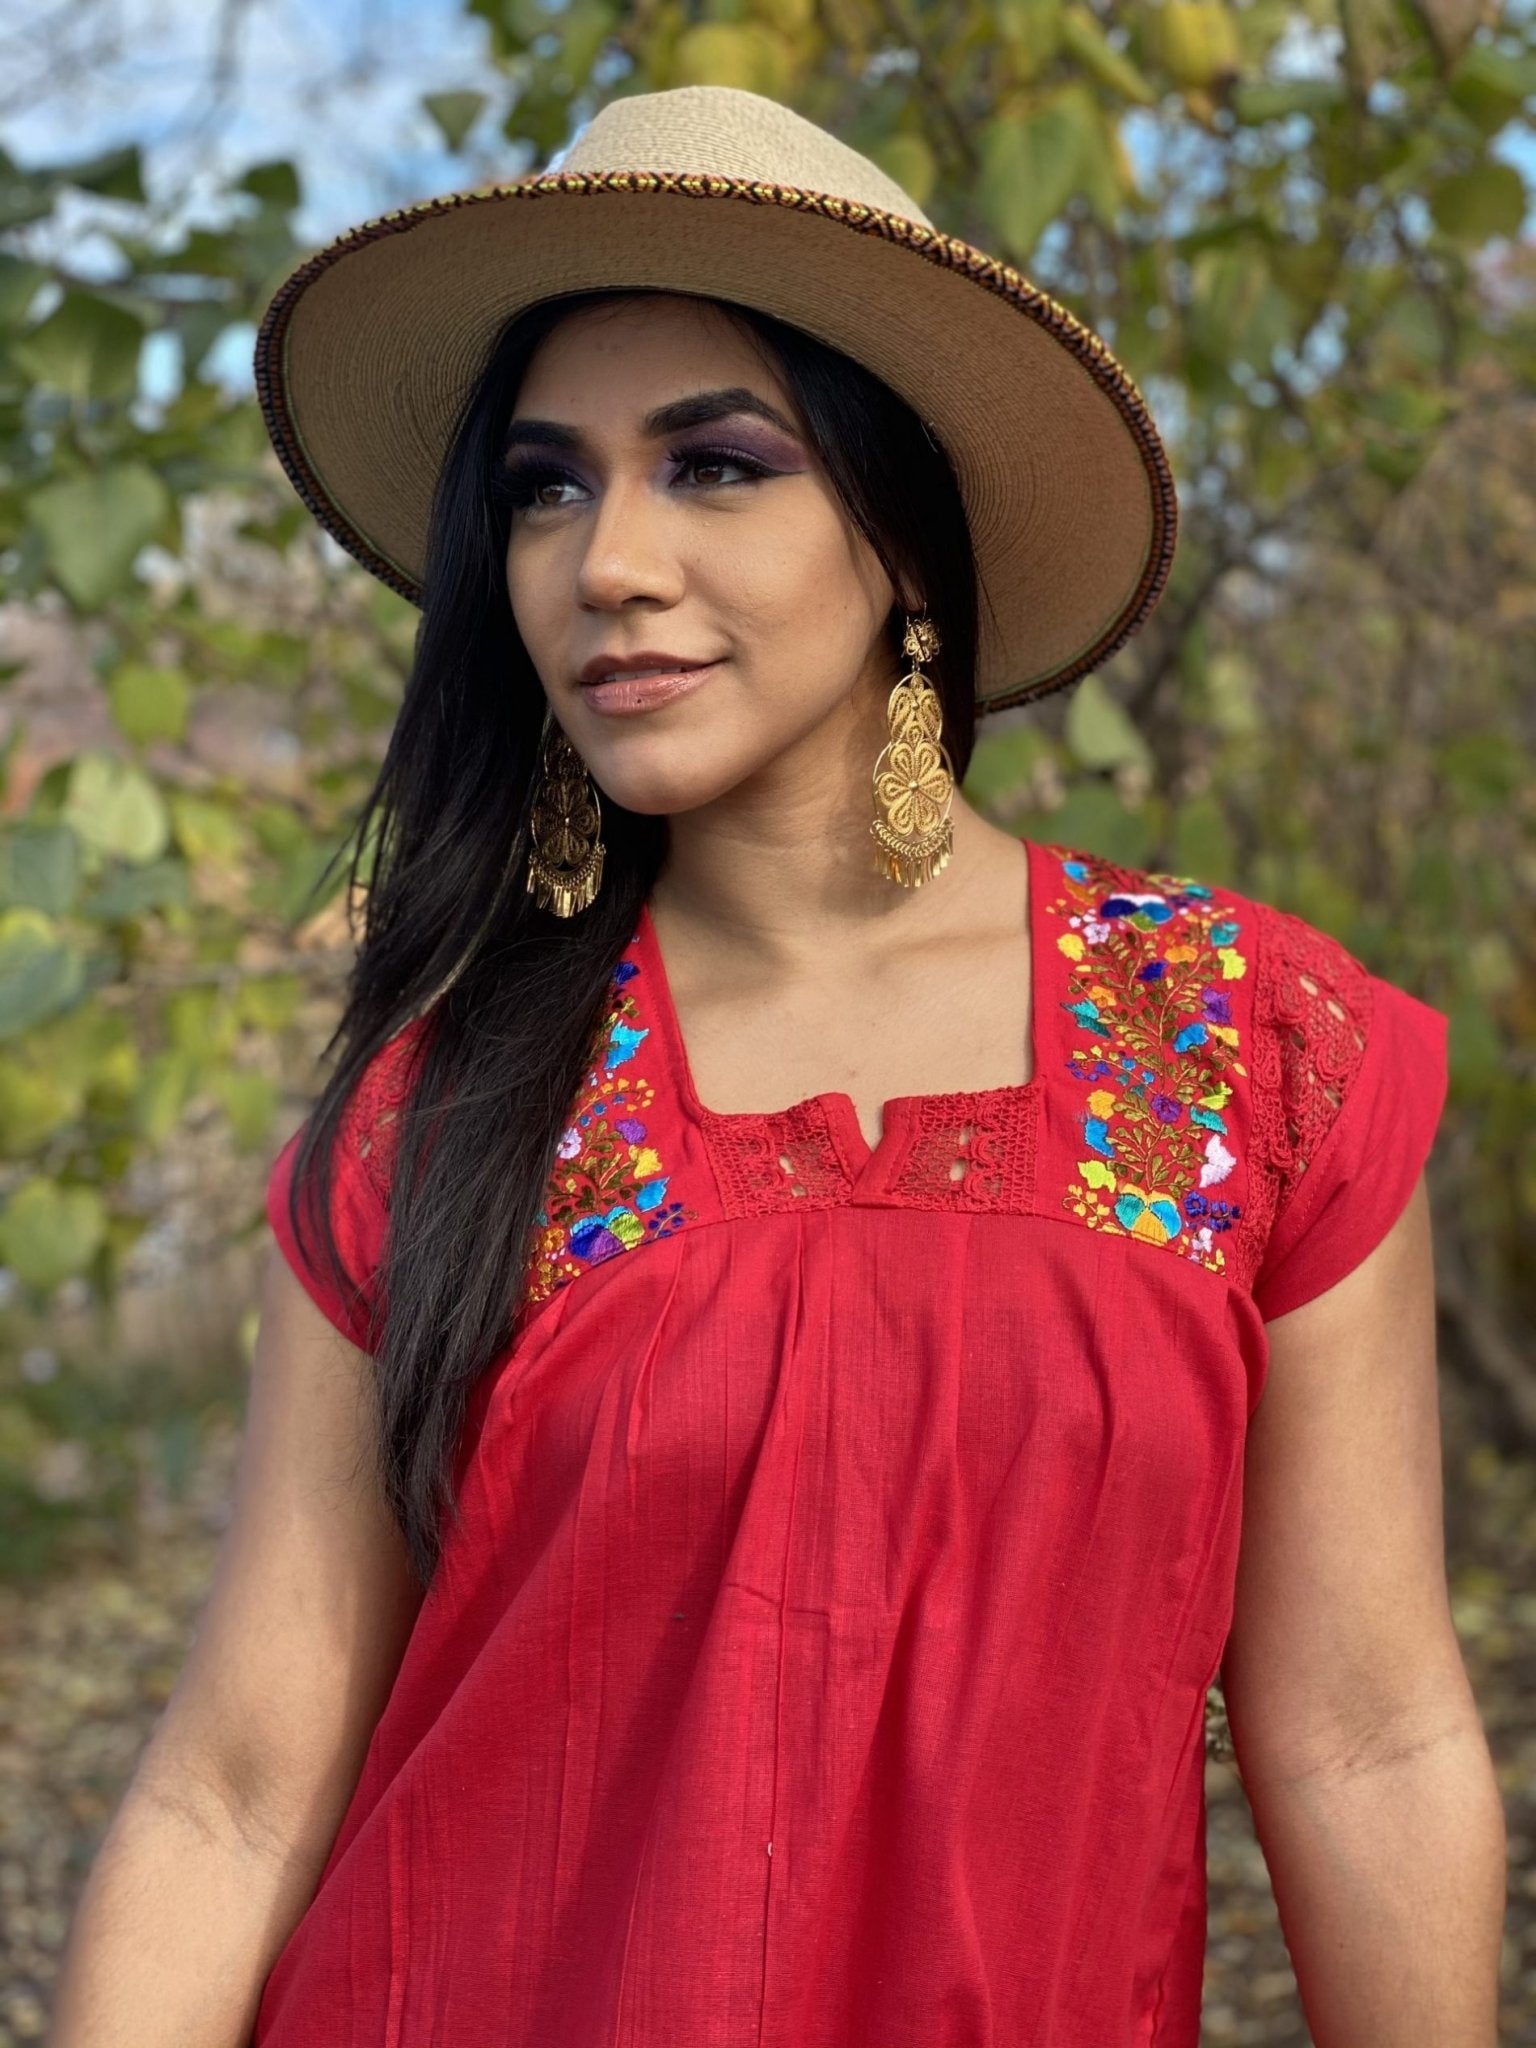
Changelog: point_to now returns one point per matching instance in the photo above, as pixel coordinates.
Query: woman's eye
(525, 489)
(722, 458)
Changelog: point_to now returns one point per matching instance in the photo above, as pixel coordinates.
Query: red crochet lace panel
(374, 1110)
(777, 1160)
(1312, 1022)
(971, 1151)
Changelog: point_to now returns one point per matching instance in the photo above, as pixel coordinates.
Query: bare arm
(1353, 1723)
(217, 1844)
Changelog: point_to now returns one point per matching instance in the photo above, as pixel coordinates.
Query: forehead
(623, 358)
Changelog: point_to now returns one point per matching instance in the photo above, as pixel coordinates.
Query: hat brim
(366, 353)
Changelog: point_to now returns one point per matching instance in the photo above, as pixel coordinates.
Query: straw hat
(367, 350)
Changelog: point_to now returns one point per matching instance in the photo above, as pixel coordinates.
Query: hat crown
(724, 131)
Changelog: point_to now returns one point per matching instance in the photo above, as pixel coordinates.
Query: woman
(806, 1263)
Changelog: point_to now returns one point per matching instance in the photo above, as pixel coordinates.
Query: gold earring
(913, 776)
(565, 865)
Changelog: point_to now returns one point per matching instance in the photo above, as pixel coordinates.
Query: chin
(659, 787)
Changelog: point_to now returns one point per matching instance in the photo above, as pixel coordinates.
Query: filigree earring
(565, 862)
(913, 776)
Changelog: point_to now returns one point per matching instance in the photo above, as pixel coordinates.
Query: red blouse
(849, 1534)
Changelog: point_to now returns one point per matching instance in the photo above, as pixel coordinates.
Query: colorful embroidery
(608, 1189)
(1148, 990)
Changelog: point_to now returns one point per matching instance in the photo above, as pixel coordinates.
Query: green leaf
(92, 528)
(1003, 765)
(1491, 85)
(907, 158)
(275, 184)
(1095, 820)
(250, 1101)
(747, 55)
(207, 831)
(25, 196)
(455, 113)
(167, 1085)
(201, 1020)
(1203, 845)
(1260, 100)
(1099, 731)
(269, 1002)
(114, 807)
(113, 173)
(1475, 205)
(20, 282)
(1032, 31)
(40, 974)
(49, 1232)
(1238, 311)
(87, 348)
(1087, 42)
(39, 867)
(149, 703)
(1031, 164)
(135, 891)
(34, 1104)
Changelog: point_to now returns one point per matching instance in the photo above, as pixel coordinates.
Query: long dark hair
(514, 995)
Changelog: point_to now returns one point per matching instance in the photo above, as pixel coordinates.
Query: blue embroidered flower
(622, 1044)
(1096, 1136)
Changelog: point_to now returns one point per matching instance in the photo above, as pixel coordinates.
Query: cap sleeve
(1356, 1081)
(361, 1171)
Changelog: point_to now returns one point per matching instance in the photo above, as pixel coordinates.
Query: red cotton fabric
(849, 1535)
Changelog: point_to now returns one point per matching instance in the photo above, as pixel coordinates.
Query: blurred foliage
(1297, 225)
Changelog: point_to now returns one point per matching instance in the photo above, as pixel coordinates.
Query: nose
(629, 554)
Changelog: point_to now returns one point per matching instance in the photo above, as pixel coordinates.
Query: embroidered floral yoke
(848, 1533)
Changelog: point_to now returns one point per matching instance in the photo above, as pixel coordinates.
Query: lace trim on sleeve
(1312, 1022)
(373, 1113)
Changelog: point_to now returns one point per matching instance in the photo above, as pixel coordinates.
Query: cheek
(805, 603)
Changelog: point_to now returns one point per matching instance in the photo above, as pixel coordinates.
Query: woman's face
(712, 535)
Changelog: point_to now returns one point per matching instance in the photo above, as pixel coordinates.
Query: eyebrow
(693, 411)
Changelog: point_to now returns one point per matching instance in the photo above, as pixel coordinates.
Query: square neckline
(898, 1113)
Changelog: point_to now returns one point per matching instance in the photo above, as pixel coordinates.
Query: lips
(607, 668)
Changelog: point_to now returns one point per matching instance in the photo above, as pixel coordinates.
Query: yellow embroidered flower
(1233, 965)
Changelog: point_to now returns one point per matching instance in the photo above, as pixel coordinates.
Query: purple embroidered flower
(1166, 1109)
(1216, 1006)
(631, 1128)
(1195, 1204)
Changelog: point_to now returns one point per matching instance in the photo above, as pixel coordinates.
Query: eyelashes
(518, 483)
